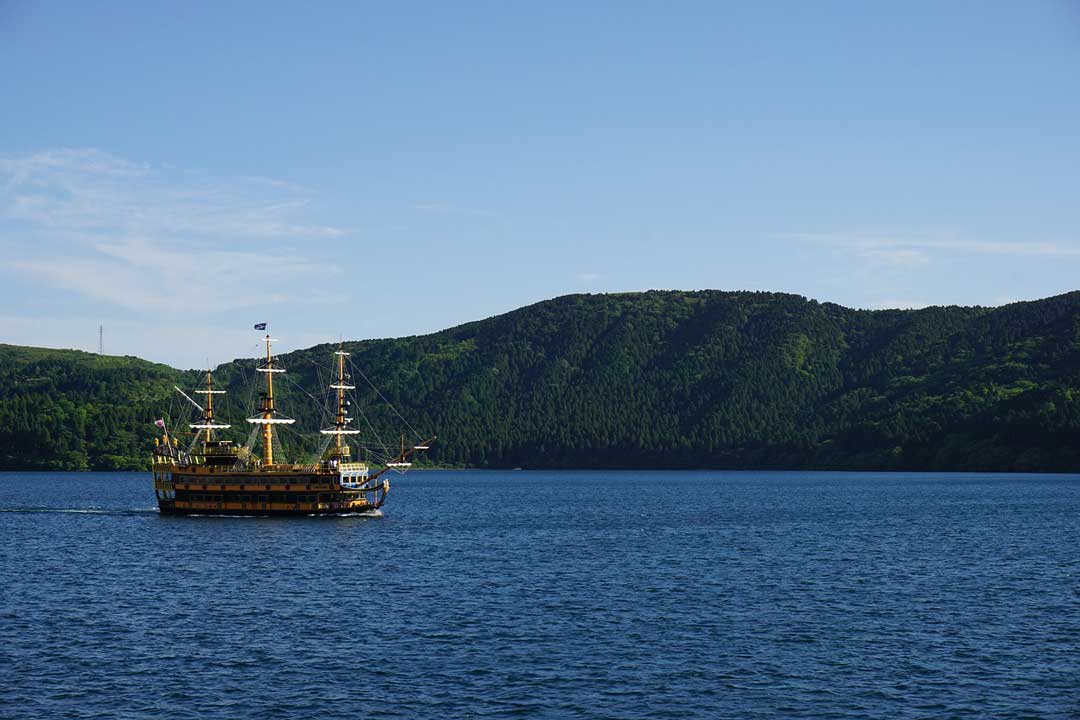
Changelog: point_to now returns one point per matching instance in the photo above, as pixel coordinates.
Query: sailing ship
(214, 476)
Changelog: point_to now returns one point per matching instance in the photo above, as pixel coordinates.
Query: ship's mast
(341, 420)
(268, 416)
(268, 408)
(208, 425)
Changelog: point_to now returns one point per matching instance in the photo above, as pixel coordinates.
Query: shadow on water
(354, 516)
(181, 518)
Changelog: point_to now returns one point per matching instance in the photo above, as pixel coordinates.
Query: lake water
(551, 595)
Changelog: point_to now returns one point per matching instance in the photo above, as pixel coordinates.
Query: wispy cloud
(443, 208)
(587, 277)
(157, 239)
(915, 249)
(894, 256)
(67, 162)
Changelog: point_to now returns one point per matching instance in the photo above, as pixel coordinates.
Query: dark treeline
(656, 379)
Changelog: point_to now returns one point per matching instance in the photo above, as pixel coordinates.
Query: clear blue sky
(179, 171)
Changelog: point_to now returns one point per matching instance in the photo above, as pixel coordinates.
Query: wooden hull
(281, 492)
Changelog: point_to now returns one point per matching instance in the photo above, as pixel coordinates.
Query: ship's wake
(363, 514)
(80, 511)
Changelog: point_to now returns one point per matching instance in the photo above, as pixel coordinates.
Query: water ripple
(730, 595)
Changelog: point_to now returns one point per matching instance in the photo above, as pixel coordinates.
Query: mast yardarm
(269, 418)
(341, 420)
(208, 424)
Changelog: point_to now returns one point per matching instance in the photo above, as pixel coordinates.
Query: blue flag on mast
(260, 326)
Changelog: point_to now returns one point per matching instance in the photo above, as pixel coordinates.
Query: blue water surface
(550, 595)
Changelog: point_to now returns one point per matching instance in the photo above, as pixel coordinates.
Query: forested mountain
(654, 379)
(71, 410)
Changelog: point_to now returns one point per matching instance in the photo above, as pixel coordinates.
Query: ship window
(262, 498)
(245, 498)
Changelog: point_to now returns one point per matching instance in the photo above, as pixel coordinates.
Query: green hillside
(72, 410)
(656, 379)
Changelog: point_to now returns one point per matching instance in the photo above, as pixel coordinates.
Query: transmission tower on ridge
(101, 340)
